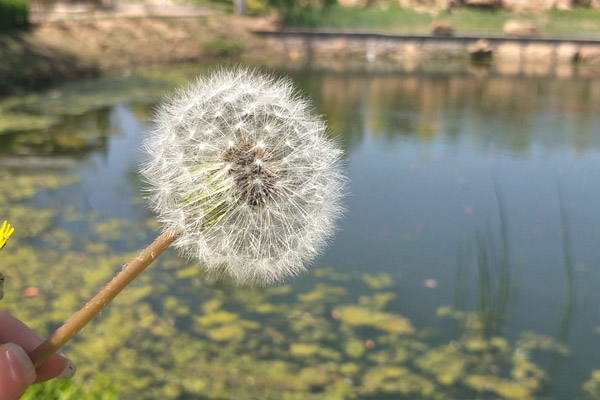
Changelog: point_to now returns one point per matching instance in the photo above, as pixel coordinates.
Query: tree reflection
(509, 113)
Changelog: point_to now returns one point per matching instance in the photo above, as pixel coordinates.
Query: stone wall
(539, 5)
(540, 56)
(512, 5)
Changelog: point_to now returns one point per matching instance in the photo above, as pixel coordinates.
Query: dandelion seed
(257, 203)
(273, 186)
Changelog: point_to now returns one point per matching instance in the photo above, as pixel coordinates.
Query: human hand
(16, 370)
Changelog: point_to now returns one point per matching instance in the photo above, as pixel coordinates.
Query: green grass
(224, 48)
(97, 389)
(574, 23)
(478, 21)
(393, 19)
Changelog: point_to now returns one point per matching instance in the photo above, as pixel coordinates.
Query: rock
(520, 29)
(407, 3)
(480, 50)
(563, 5)
(352, 3)
(528, 5)
(447, 4)
(442, 28)
(566, 53)
(425, 5)
(536, 53)
(483, 3)
(589, 54)
(509, 53)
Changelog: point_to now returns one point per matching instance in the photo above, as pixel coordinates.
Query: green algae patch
(323, 293)
(175, 306)
(592, 385)
(222, 325)
(30, 224)
(378, 281)
(226, 333)
(354, 348)
(81, 97)
(330, 274)
(377, 301)
(216, 318)
(268, 308)
(113, 229)
(446, 363)
(526, 372)
(313, 350)
(532, 341)
(303, 349)
(17, 122)
(361, 316)
(189, 272)
(173, 335)
(504, 388)
(393, 379)
(320, 377)
(21, 185)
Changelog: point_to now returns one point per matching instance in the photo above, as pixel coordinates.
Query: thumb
(16, 371)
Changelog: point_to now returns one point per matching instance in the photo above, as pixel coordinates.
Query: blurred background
(468, 260)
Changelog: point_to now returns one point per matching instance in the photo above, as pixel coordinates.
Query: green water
(466, 266)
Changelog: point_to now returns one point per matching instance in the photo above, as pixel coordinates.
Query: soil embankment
(58, 51)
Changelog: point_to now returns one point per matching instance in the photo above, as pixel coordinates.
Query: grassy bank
(67, 50)
(61, 51)
(574, 23)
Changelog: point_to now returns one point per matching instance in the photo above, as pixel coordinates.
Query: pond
(466, 265)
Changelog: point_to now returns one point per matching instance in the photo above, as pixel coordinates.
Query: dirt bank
(64, 50)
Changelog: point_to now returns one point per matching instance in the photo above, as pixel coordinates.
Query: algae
(174, 335)
(17, 122)
(378, 281)
(592, 385)
(362, 316)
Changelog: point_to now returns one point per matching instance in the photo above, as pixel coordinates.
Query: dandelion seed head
(239, 166)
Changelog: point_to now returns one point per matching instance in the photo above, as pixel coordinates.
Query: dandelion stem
(82, 317)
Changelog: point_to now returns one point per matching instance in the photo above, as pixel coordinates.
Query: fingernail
(69, 370)
(18, 363)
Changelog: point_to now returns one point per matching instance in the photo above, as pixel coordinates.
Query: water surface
(466, 266)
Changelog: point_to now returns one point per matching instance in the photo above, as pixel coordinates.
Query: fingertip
(59, 366)
(17, 371)
(14, 331)
(68, 371)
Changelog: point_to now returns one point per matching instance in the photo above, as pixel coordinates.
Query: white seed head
(241, 168)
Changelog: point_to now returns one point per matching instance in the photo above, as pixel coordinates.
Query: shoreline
(514, 55)
(60, 51)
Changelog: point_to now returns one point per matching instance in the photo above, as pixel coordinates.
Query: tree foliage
(13, 14)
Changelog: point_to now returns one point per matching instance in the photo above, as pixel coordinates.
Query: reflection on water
(466, 266)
